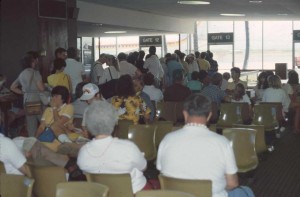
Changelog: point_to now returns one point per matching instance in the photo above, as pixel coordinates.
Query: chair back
(46, 179)
(232, 113)
(199, 188)
(80, 189)
(122, 128)
(215, 113)
(266, 115)
(16, 185)
(167, 110)
(260, 142)
(118, 184)
(163, 128)
(143, 137)
(243, 144)
(163, 193)
(2, 170)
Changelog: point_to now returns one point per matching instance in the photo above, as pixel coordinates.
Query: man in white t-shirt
(74, 68)
(153, 64)
(13, 159)
(195, 152)
(126, 67)
(109, 155)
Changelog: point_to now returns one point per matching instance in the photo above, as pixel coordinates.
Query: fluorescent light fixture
(193, 2)
(255, 2)
(282, 14)
(115, 32)
(232, 14)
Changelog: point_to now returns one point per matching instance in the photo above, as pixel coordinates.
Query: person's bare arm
(24, 170)
(15, 88)
(40, 85)
(232, 181)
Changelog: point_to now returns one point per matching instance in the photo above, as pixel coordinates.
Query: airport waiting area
(149, 98)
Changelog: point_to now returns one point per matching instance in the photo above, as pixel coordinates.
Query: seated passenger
(177, 92)
(213, 90)
(275, 93)
(195, 152)
(239, 95)
(194, 84)
(154, 93)
(130, 106)
(59, 115)
(226, 77)
(40, 155)
(105, 154)
(12, 158)
(79, 105)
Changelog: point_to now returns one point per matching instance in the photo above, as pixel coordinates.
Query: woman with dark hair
(262, 84)
(32, 85)
(292, 86)
(59, 115)
(59, 78)
(130, 106)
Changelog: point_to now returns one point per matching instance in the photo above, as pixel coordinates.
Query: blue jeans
(241, 191)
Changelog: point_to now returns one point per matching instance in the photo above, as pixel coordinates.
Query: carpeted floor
(278, 174)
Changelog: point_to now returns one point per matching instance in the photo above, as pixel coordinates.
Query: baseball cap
(89, 91)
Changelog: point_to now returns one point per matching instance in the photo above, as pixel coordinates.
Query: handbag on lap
(47, 135)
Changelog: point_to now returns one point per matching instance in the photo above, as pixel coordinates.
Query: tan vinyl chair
(232, 113)
(80, 189)
(215, 113)
(122, 128)
(199, 188)
(46, 179)
(163, 128)
(163, 193)
(167, 110)
(243, 143)
(260, 142)
(119, 184)
(143, 137)
(16, 186)
(266, 114)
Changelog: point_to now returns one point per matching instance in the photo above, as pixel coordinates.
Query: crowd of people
(136, 85)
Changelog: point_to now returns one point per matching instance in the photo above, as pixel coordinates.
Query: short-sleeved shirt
(66, 110)
(231, 85)
(75, 70)
(11, 156)
(134, 107)
(277, 95)
(176, 93)
(245, 99)
(204, 64)
(113, 156)
(28, 79)
(195, 152)
(214, 93)
(59, 79)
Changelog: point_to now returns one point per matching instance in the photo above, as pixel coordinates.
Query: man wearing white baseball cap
(91, 93)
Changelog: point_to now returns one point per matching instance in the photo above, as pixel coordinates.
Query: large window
(248, 45)
(108, 45)
(127, 44)
(277, 43)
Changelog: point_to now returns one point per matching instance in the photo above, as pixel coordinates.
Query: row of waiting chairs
(51, 182)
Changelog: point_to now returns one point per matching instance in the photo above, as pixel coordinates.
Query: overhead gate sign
(150, 41)
(220, 38)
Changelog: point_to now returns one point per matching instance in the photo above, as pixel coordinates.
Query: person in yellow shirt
(59, 78)
(59, 115)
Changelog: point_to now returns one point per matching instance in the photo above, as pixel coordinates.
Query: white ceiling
(267, 10)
